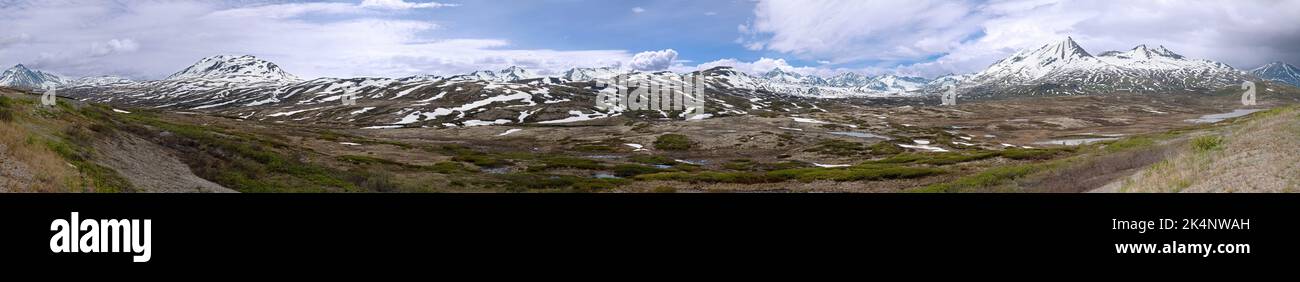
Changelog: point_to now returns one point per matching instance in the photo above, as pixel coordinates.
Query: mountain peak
(242, 68)
(1161, 50)
(1066, 49)
(1279, 72)
(20, 76)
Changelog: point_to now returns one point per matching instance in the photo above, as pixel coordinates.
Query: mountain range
(1065, 68)
(250, 88)
(1279, 72)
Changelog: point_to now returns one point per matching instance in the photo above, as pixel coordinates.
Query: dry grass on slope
(1260, 155)
(27, 165)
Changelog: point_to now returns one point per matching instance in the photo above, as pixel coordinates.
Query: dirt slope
(150, 167)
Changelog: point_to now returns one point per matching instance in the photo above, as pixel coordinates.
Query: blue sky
(149, 39)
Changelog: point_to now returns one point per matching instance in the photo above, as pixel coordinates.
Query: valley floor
(1118, 143)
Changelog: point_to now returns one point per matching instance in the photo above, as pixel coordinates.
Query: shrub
(567, 162)
(653, 160)
(673, 142)
(1029, 154)
(630, 170)
(1207, 143)
(835, 147)
(885, 149)
(6, 109)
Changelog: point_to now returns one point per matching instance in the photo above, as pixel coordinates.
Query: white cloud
(401, 5)
(759, 67)
(113, 46)
(638, 10)
(851, 30)
(966, 36)
(653, 60)
(152, 39)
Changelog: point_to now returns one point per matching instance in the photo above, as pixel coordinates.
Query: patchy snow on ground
(508, 132)
(121, 111)
(285, 114)
(362, 110)
(473, 123)
(924, 147)
(830, 166)
(576, 117)
(636, 147)
(808, 120)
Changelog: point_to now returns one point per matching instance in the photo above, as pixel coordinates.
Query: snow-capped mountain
(234, 69)
(101, 81)
(20, 76)
(1279, 72)
(849, 79)
(514, 73)
(589, 74)
(509, 74)
(889, 82)
(778, 75)
(1065, 68)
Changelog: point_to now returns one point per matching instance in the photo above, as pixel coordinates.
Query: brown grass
(48, 171)
(1258, 155)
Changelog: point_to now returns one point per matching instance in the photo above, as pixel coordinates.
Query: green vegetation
(673, 142)
(835, 147)
(247, 163)
(885, 149)
(983, 181)
(1032, 154)
(559, 162)
(535, 181)
(77, 152)
(945, 158)
(748, 165)
(630, 170)
(855, 173)
(652, 160)
(6, 109)
(1207, 143)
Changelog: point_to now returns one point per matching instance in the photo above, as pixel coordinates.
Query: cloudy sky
(149, 39)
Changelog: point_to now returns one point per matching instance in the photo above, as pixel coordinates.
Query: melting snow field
(859, 134)
(121, 111)
(924, 147)
(1076, 142)
(830, 166)
(808, 120)
(577, 116)
(508, 132)
(1220, 117)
